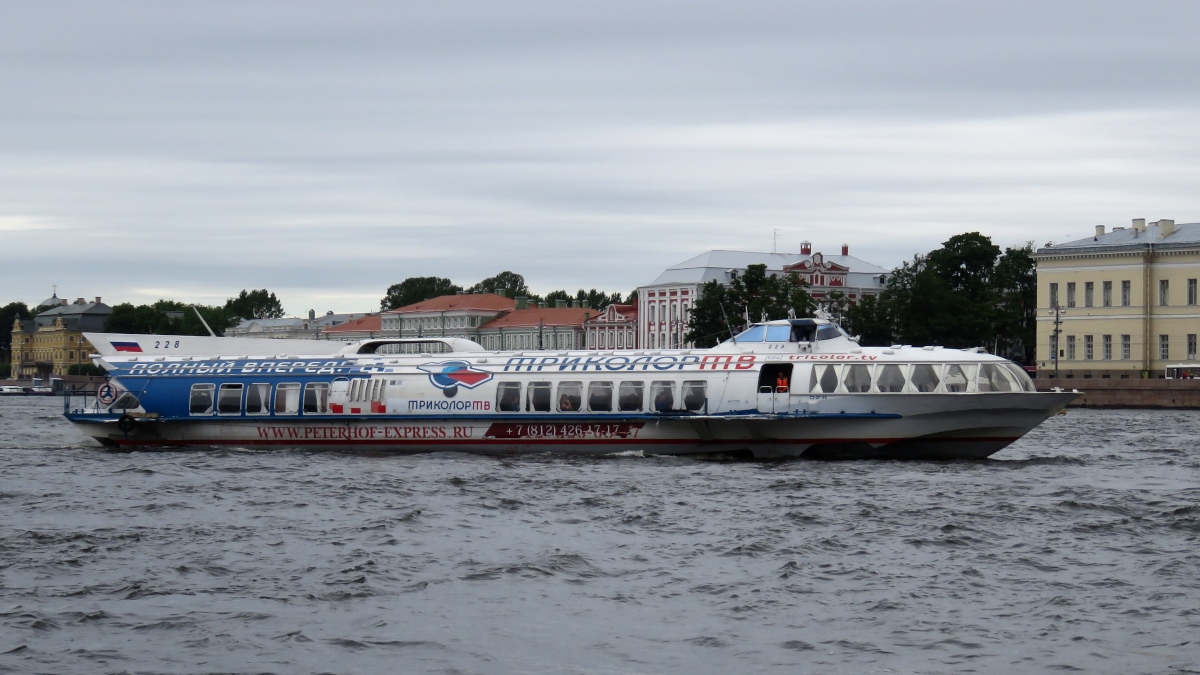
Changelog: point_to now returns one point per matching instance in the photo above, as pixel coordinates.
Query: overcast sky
(188, 150)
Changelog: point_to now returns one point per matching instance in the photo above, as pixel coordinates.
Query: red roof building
(446, 316)
(362, 328)
(537, 328)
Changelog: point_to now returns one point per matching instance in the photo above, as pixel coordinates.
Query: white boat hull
(933, 427)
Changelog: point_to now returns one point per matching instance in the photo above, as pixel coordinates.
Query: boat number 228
(165, 344)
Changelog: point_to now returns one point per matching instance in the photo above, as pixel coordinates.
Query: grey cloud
(306, 146)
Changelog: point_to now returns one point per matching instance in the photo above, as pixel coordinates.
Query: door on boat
(774, 383)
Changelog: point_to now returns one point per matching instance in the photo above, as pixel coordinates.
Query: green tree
(9, 314)
(259, 304)
(554, 296)
(1015, 285)
(144, 319)
(417, 289)
(870, 320)
(751, 296)
(167, 317)
(505, 283)
(708, 326)
(964, 294)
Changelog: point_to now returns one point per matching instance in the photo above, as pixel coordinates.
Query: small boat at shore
(11, 390)
(786, 388)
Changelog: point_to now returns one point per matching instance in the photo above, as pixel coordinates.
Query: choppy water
(1073, 550)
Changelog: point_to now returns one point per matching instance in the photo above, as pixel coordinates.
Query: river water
(1073, 550)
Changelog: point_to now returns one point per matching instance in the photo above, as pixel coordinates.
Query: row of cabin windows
(920, 377)
(229, 399)
(630, 396)
(1106, 298)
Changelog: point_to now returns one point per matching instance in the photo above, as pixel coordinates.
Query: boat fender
(126, 423)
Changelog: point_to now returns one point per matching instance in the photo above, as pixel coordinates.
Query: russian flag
(127, 346)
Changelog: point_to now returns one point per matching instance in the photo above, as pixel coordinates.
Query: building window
(1088, 346)
(1070, 294)
(1191, 347)
(1125, 293)
(1126, 348)
(1106, 294)
(1089, 294)
(1164, 293)
(1164, 347)
(1191, 291)
(1053, 296)
(1106, 345)
(1070, 347)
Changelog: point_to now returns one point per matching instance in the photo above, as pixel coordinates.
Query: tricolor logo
(450, 375)
(127, 346)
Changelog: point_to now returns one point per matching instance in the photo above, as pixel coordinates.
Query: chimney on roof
(1099, 230)
(1166, 227)
(64, 302)
(845, 249)
(97, 300)
(522, 302)
(805, 248)
(1139, 224)
(560, 303)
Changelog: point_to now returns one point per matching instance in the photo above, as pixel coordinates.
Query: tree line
(967, 293)
(170, 317)
(418, 289)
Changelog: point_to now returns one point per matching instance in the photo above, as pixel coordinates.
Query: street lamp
(1058, 311)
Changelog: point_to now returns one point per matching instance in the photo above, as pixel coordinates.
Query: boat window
(824, 380)
(229, 399)
(201, 400)
(376, 390)
(1020, 377)
(539, 397)
(828, 332)
(570, 396)
(779, 333)
(695, 395)
(891, 379)
(629, 396)
(753, 334)
(258, 397)
(924, 377)
(993, 378)
(127, 401)
(956, 378)
(662, 393)
(600, 396)
(857, 378)
(316, 397)
(287, 398)
(803, 332)
(508, 397)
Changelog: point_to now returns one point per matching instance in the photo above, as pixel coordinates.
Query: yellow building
(51, 342)
(1121, 303)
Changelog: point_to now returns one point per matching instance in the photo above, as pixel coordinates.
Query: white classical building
(664, 305)
(615, 327)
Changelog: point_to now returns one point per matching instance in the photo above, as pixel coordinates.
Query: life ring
(126, 423)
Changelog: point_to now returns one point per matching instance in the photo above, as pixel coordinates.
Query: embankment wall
(1129, 393)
